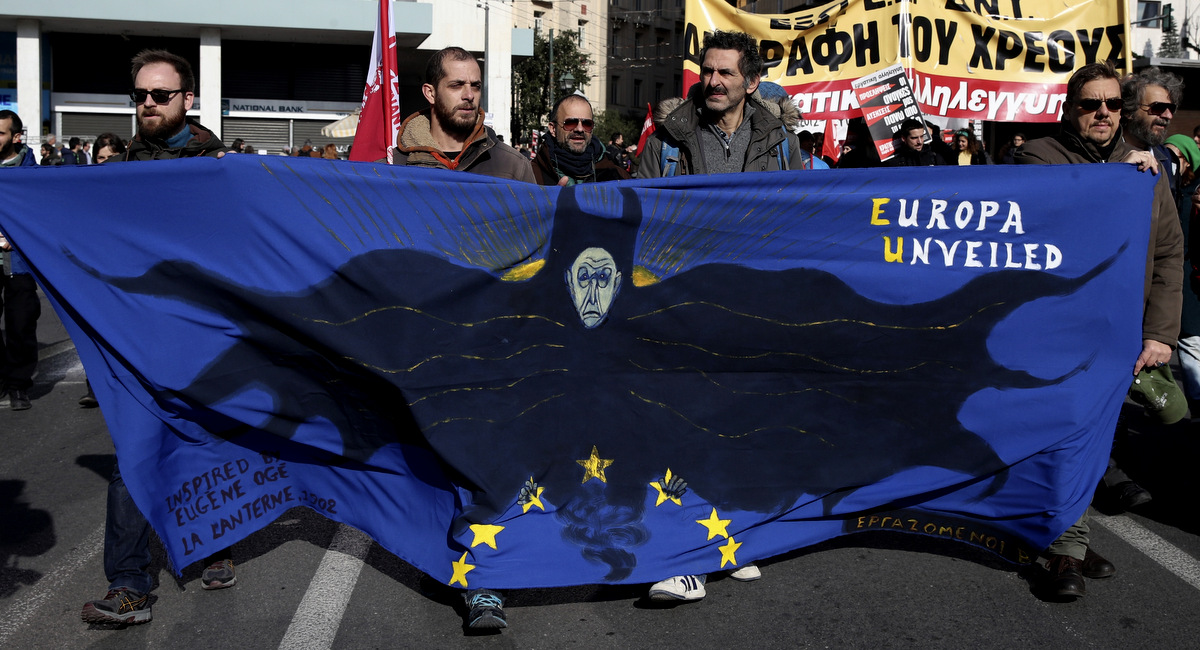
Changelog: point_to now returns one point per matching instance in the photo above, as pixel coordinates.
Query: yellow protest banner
(996, 60)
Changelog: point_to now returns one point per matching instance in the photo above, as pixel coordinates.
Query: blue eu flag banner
(511, 386)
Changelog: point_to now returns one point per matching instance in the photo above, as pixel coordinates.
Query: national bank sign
(274, 107)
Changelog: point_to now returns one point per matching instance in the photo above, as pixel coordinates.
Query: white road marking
(56, 349)
(16, 614)
(1156, 548)
(316, 622)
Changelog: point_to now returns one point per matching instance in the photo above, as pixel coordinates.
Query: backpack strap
(669, 159)
(784, 151)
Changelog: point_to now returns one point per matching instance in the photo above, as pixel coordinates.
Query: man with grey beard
(1151, 98)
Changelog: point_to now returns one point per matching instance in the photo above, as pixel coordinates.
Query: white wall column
(29, 79)
(210, 79)
(499, 68)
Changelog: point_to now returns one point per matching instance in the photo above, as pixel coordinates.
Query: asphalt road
(306, 582)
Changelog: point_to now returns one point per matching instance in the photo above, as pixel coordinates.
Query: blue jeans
(1189, 360)
(126, 539)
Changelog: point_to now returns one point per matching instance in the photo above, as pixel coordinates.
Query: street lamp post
(567, 83)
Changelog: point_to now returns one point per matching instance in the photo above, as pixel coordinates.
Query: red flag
(379, 120)
(831, 147)
(647, 129)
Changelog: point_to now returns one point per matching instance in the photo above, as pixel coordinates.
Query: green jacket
(679, 128)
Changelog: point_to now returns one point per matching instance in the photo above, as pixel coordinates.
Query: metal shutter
(260, 133)
(87, 126)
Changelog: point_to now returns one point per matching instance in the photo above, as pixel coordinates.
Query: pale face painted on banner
(594, 281)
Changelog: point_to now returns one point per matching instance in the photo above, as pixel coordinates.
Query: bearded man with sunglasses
(1151, 98)
(450, 134)
(164, 90)
(1091, 133)
(571, 155)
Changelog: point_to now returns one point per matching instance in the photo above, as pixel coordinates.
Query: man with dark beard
(18, 292)
(450, 134)
(572, 155)
(163, 90)
(1151, 98)
(1090, 133)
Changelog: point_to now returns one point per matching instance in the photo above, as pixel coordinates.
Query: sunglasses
(1114, 104)
(572, 122)
(1158, 108)
(159, 95)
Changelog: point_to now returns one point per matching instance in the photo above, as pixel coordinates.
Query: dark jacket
(679, 126)
(1190, 318)
(484, 153)
(1163, 282)
(202, 143)
(617, 153)
(13, 259)
(603, 169)
(909, 157)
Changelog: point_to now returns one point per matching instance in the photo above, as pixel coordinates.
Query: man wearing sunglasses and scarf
(163, 89)
(450, 134)
(572, 155)
(1091, 133)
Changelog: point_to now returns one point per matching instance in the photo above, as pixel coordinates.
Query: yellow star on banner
(535, 499)
(594, 466)
(662, 496)
(485, 534)
(727, 552)
(714, 525)
(461, 568)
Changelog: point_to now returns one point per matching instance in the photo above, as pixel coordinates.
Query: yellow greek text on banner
(995, 60)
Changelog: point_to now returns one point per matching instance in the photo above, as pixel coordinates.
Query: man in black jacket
(912, 151)
(164, 90)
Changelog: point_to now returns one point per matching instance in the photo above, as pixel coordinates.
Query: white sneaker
(746, 573)
(685, 588)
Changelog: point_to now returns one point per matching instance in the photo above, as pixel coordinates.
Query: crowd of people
(724, 125)
(79, 151)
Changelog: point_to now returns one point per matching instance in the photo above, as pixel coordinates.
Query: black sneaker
(19, 400)
(218, 575)
(487, 611)
(121, 606)
(88, 401)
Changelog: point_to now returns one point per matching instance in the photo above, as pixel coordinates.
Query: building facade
(645, 54)
(272, 72)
